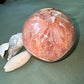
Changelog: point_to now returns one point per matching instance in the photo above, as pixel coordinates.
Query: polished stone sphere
(48, 34)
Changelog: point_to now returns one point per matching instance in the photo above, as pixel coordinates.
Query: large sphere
(48, 34)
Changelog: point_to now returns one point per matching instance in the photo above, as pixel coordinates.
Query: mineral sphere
(48, 34)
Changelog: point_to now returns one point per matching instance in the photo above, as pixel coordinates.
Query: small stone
(15, 44)
(17, 61)
(3, 48)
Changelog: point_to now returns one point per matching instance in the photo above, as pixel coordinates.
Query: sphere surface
(48, 34)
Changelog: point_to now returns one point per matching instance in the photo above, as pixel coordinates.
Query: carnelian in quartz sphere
(48, 34)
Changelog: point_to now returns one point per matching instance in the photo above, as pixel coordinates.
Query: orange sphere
(48, 34)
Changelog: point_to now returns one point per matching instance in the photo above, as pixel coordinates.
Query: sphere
(48, 34)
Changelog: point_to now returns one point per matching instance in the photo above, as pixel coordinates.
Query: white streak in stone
(53, 19)
(46, 36)
(57, 13)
